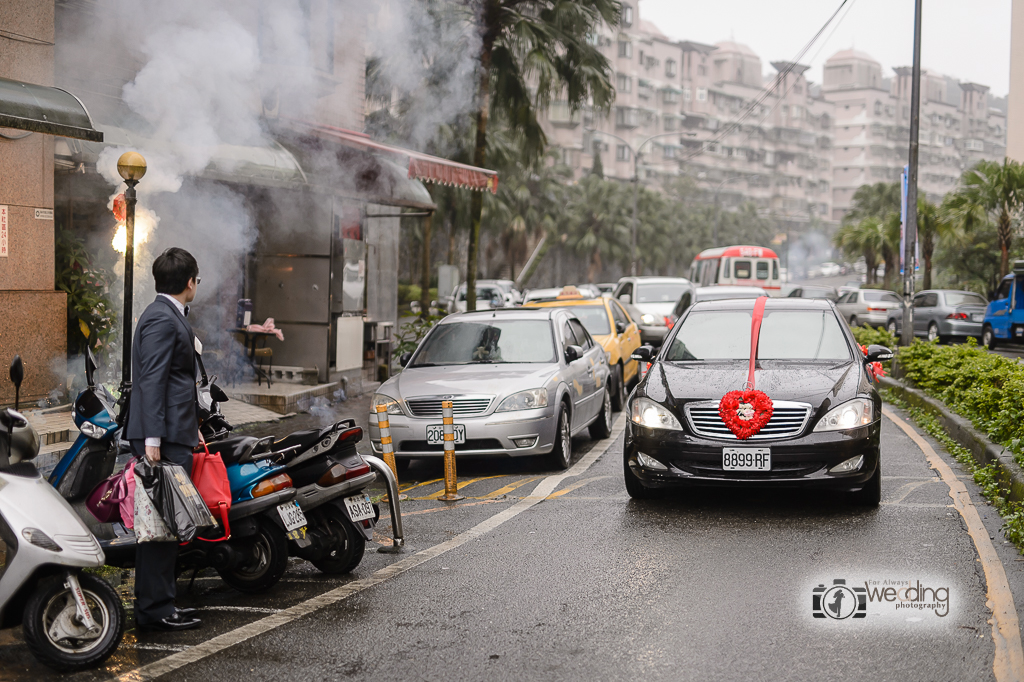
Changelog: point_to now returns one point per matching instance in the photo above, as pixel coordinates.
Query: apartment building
(796, 149)
(961, 124)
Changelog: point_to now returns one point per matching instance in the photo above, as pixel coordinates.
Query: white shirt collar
(177, 304)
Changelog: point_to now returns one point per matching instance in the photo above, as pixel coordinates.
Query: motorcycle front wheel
(265, 563)
(53, 634)
(349, 543)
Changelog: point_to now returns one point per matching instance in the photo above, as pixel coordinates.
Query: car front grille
(461, 407)
(788, 470)
(470, 444)
(788, 420)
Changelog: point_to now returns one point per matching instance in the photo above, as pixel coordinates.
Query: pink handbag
(128, 503)
(105, 500)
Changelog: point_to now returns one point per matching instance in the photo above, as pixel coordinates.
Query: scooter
(330, 477)
(71, 620)
(263, 511)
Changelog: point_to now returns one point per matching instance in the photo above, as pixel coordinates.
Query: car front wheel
(988, 338)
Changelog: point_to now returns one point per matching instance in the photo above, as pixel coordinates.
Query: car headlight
(647, 318)
(849, 415)
(93, 431)
(646, 412)
(394, 406)
(524, 400)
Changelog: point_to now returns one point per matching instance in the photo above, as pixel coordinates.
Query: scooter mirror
(218, 394)
(90, 367)
(17, 371)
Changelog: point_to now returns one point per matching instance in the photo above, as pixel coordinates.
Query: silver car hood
(479, 379)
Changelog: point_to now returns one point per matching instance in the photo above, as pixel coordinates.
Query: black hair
(173, 269)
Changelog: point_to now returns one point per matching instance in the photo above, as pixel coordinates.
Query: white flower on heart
(745, 411)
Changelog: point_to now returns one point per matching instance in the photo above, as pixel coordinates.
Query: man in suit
(163, 424)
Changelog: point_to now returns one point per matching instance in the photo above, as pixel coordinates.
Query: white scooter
(71, 620)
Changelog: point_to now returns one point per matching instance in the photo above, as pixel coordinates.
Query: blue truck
(1004, 316)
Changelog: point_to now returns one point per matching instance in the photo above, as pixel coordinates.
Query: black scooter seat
(303, 439)
(231, 449)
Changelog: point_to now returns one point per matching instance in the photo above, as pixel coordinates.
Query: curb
(963, 432)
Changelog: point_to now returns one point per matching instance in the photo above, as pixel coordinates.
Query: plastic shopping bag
(180, 504)
(149, 525)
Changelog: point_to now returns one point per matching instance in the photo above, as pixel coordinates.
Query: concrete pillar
(34, 316)
(1015, 118)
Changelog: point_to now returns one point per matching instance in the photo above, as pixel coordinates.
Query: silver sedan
(522, 382)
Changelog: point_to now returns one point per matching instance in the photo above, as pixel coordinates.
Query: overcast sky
(966, 39)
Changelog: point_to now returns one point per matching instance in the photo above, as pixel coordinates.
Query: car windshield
(784, 335)
(495, 341)
(888, 296)
(955, 298)
(482, 294)
(593, 317)
(666, 292)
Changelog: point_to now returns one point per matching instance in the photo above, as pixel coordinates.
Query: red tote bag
(211, 480)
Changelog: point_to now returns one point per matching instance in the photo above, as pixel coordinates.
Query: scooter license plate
(359, 507)
(291, 516)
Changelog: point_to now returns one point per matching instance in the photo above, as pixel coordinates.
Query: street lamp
(636, 180)
(131, 166)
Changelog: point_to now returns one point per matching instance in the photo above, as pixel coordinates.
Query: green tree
(932, 224)
(597, 220)
(882, 201)
(530, 52)
(989, 192)
(597, 168)
(865, 238)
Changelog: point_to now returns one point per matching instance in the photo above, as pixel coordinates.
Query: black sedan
(825, 427)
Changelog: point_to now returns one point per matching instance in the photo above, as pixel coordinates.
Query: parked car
(715, 293)
(489, 295)
(611, 327)
(814, 291)
(650, 334)
(523, 382)
(1004, 316)
(943, 314)
(655, 297)
(830, 269)
(868, 306)
(825, 428)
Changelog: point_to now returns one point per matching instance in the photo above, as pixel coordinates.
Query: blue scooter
(263, 516)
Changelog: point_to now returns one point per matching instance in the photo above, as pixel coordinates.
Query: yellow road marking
(417, 485)
(1009, 655)
(574, 486)
(459, 486)
(509, 488)
(385, 517)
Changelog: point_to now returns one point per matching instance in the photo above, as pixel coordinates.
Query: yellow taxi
(610, 325)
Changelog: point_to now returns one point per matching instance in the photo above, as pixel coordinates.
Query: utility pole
(910, 234)
(636, 188)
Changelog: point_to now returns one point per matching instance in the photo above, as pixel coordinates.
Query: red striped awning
(421, 166)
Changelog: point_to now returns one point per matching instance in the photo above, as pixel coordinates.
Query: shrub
(867, 336)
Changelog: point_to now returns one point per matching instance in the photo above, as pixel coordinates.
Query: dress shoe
(172, 623)
(186, 613)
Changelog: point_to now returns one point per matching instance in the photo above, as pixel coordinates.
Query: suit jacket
(164, 399)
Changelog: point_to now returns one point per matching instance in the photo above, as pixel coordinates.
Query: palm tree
(990, 191)
(865, 239)
(596, 221)
(932, 224)
(881, 200)
(530, 52)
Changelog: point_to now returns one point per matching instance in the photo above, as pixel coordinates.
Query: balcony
(561, 116)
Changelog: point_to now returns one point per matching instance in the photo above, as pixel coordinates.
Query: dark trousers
(154, 561)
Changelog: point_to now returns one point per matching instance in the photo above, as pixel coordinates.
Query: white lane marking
(1009, 654)
(263, 625)
(160, 647)
(244, 609)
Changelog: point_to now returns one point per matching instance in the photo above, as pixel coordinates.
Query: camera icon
(839, 601)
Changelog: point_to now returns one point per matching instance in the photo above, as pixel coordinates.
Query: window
(931, 300)
(641, 57)
(621, 153)
(702, 94)
(568, 339)
(497, 341)
(702, 70)
(669, 122)
(627, 16)
(626, 290)
(625, 49)
(659, 293)
(670, 97)
(1004, 290)
(624, 83)
(686, 93)
(785, 335)
(618, 313)
(742, 269)
(594, 318)
(965, 298)
(761, 271)
(668, 151)
(670, 68)
(775, 269)
(581, 334)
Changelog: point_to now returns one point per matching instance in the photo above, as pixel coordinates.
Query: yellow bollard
(451, 489)
(386, 445)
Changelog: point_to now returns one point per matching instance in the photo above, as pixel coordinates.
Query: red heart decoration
(745, 412)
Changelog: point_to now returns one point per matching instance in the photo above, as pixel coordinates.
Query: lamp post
(636, 154)
(131, 166)
(910, 229)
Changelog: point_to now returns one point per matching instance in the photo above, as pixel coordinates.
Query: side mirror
(17, 376)
(620, 327)
(878, 353)
(573, 353)
(626, 298)
(90, 368)
(644, 353)
(218, 394)
(404, 359)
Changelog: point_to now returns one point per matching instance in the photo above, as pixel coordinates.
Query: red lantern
(120, 208)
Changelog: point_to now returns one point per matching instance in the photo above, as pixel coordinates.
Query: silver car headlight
(524, 400)
(849, 415)
(646, 412)
(394, 406)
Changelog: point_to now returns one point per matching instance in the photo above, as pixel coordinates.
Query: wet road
(546, 575)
